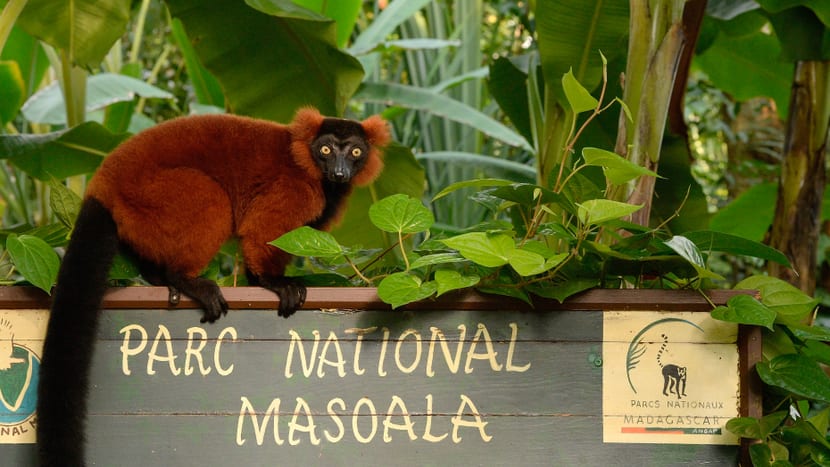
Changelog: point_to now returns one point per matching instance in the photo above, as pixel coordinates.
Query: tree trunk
(795, 228)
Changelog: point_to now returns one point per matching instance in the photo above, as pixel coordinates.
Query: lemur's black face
(340, 149)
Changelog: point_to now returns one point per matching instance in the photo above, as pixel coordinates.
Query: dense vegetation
(543, 148)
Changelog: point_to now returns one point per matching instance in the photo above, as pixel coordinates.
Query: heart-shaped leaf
(401, 288)
(401, 214)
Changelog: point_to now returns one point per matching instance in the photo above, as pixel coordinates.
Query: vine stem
(383, 253)
(403, 250)
(357, 271)
(139, 31)
(572, 142)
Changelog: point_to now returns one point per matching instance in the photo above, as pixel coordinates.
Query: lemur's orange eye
(325, 150)
(356, 152)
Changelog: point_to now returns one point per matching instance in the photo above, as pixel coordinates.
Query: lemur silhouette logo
(673, 375)
(18, 382)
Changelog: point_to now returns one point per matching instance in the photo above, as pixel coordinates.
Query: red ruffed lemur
(170, 197)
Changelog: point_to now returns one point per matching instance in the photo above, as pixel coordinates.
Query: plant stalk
(7, 19)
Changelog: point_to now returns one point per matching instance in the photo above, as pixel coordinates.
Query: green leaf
(54, 234)
(11, 91)
(119, 115)
(64, 203)
(760, 455)
(343, 12)
(745, 427)
(709, 240)
(815, 332)
(401, 214)
(555, 260)
(689, 251)
(744, 309)
(678, 197)
(528, 195)
(818, 351)
(437, 258)
(506, 290)
(790, 303)
(384, 24)
(797, 28)
(476, 183)
(578, 97)
(448, 279)
(750, 214)
(571, 32)
(598, 211)
(401, 174)
(617, 169)
(481, 248)
(438, 104)
(749, 66)
(821, 420)
(480, 160)
(205, 85)
(34, 259)
(797, 374)
(60, 154)
(686, 249)
(561, 290)
(123, 268)
(527, 263)
(507, 84)
(85, 29)
(47, 106)
(306, 241)
(771, 422)
(275, 46)
(401, 288)
(31, 60)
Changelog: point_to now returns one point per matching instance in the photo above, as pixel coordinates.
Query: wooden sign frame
(353, 302)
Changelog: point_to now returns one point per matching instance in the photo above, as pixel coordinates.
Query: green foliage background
(526, 163)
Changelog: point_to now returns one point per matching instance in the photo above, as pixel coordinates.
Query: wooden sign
(645, 376)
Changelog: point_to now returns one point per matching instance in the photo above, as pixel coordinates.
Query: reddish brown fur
(179, 190)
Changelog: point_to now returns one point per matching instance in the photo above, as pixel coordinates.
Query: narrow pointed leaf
(578, 97)
(598, 211)
(438, 104)
(64, 203)
(11, 91)
(617, 169)
(708, 240)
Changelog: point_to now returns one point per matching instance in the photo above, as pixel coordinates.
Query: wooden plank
(525, 385)
(365, 298)
(519, 441)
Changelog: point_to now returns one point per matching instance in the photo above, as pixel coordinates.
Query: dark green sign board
(335, 386)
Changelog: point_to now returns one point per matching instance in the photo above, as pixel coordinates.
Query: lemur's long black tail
(70, 337)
